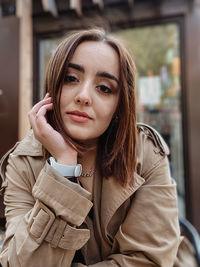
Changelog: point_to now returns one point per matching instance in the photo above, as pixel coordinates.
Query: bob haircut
(117, 145)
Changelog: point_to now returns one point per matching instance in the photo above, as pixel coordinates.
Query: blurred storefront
(161, 35)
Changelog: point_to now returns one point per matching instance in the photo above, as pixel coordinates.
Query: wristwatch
(66, 170)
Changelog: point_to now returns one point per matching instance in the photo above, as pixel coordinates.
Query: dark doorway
(9, 85)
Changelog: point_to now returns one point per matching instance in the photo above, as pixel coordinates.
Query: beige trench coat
(47, 214)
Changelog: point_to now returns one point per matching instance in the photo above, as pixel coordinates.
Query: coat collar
(114, 195)
(29, 146)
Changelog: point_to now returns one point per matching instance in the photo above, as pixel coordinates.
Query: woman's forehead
(97, 54)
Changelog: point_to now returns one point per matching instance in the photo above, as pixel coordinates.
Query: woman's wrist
(69, 159)
(69, 162)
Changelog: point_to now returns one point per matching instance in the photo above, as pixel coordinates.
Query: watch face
(78, 170)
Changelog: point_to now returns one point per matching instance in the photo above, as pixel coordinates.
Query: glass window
(156, 51)
(46, 49)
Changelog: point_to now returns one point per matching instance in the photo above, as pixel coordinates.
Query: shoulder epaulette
(156, 138)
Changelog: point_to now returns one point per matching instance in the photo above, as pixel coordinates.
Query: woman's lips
(78, 116)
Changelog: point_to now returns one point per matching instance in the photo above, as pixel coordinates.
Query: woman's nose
(83, 97)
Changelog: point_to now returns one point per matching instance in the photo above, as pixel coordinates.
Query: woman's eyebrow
(76, 66)
(100, 74)
(108, 75)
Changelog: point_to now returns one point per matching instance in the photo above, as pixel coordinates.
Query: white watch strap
(66, 170)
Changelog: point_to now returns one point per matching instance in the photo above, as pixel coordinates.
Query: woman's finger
(33, 112)
(40, 116)
(39, 123)
(32, 115)
(46, 96)
(37, 106)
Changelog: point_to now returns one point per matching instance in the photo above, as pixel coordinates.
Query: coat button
(156, 150)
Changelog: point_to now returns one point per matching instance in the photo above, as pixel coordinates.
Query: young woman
(87, 186)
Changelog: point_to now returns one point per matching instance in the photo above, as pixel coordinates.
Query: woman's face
(90, 94)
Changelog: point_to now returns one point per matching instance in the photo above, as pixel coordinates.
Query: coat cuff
(64, 198)
(43, 225)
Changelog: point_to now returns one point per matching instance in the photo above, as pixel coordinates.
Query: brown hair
(117, 145)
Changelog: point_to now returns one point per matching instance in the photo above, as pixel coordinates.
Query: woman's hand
(49, 137)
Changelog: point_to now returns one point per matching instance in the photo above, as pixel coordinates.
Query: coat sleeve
(150, 234)
(43, 219)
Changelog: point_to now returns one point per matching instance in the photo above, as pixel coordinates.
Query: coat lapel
(114, 195)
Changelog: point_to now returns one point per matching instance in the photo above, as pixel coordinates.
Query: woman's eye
(70, 79)
(105, 89)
